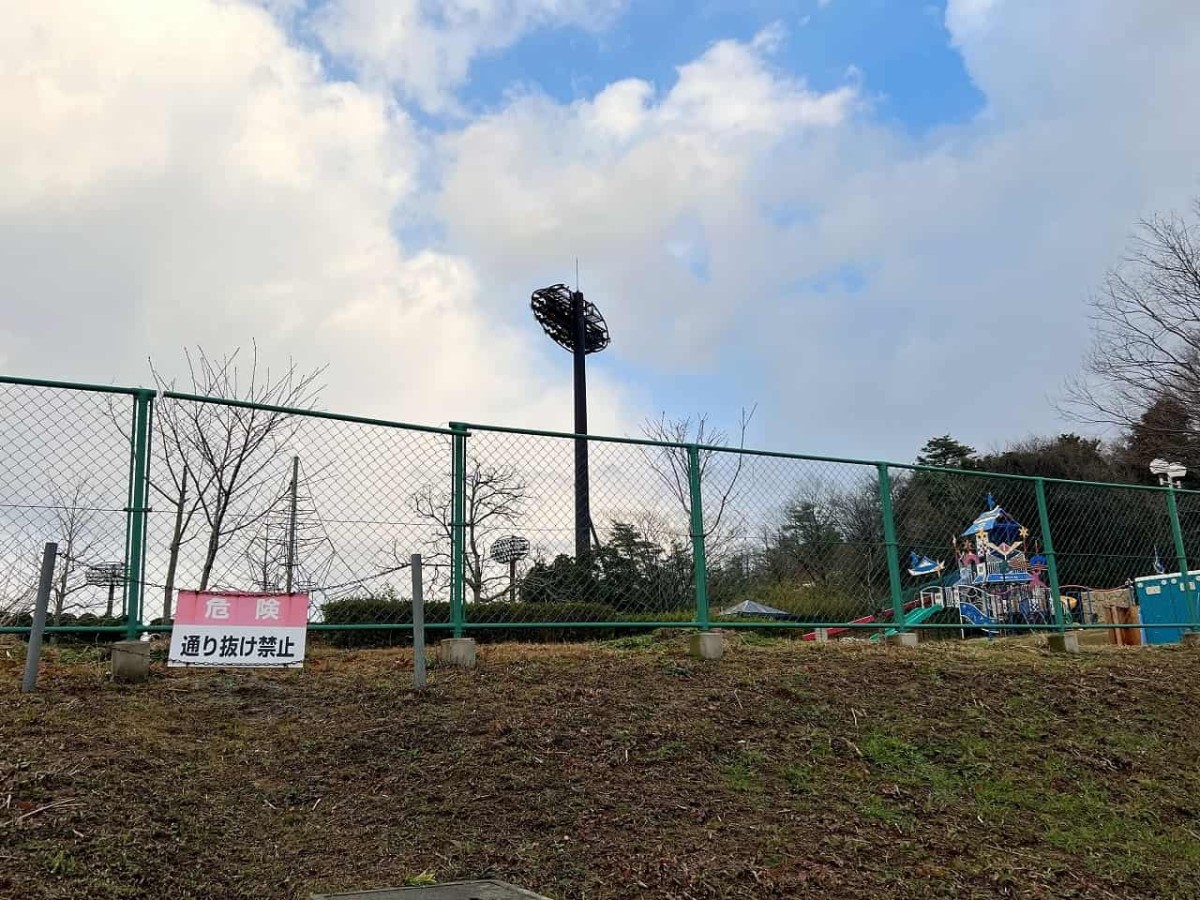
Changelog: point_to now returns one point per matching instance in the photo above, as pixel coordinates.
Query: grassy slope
(786, 771)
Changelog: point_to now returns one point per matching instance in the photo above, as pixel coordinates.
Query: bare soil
(624, 770)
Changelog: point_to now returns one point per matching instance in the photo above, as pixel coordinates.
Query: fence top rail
(809, 457)
(534, 432)
(310, 413)
(596, 438)
(70, 385)
(983, 473)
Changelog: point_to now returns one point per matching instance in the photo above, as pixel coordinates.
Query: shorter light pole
(1169, 475)
(511, 550)
(109, 575)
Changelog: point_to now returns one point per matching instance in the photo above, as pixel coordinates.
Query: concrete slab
(1063, 643)
(707, 645)
(131, 661)
(455, 890)
(903, 639)
(459, 652)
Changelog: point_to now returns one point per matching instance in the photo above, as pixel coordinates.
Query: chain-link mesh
(251, 499)
(629, 561)
(1106, 536)
(793, 540)
(64, 477)
(254, 498)
(1188, 505)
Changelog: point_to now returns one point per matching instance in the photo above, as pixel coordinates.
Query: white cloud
(182, 174)
(425, 50)
(968, 17)
(649, 187)
(185, 172)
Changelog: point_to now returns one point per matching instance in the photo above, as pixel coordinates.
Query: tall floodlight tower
(575, 325)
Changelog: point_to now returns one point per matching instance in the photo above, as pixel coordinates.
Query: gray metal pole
(33, 653)
(418, 617)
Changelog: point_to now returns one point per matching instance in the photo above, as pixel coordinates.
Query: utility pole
(291, 536)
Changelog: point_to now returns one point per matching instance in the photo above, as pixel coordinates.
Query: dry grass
(626, 771)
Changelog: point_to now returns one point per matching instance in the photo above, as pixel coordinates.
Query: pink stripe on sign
(281, 610)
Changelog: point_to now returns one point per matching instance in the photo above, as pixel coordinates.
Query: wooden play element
(1116, 607)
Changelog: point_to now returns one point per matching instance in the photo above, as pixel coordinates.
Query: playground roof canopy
(1000, 527)
(750, 608)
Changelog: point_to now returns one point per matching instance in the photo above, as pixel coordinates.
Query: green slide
(913, 617)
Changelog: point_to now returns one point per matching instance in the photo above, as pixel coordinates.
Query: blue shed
(1165, 600)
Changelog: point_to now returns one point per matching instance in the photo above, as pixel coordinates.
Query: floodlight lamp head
(1159, 466)
(554, 308)
(1176, 471)
(510, 549)
(105, 574)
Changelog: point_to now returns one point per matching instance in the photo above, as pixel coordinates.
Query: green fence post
(458, 524)
(1039, 487)
(1181, 554)
(699, 556)
(889, 541)
(135, 521)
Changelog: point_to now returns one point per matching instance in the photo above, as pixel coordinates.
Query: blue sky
(900, 49)
(900, 53)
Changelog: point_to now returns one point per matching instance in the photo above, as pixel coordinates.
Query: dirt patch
(631, 771)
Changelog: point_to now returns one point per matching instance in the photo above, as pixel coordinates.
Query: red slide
(885, 614)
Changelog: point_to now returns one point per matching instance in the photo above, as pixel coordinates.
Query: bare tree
(1146, 346)
(495, 500)
(719, 473)
(73, 517)
(218, 460)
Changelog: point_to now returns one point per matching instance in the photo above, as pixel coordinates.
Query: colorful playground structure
(998, 581)
(1000, 586)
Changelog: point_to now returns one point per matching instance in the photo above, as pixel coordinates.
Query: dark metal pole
(33, 652)
(512, 581)
(583, 512)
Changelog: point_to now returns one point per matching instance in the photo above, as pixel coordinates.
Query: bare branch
(219, 461)
(495, 501)
(1146, 346)
(669, 462)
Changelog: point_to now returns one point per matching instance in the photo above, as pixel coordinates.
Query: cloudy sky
(877, 220)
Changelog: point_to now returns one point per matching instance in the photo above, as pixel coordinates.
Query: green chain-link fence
(149, 493)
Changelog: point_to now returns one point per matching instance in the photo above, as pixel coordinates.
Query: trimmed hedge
(371, 611)
(70, 620)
